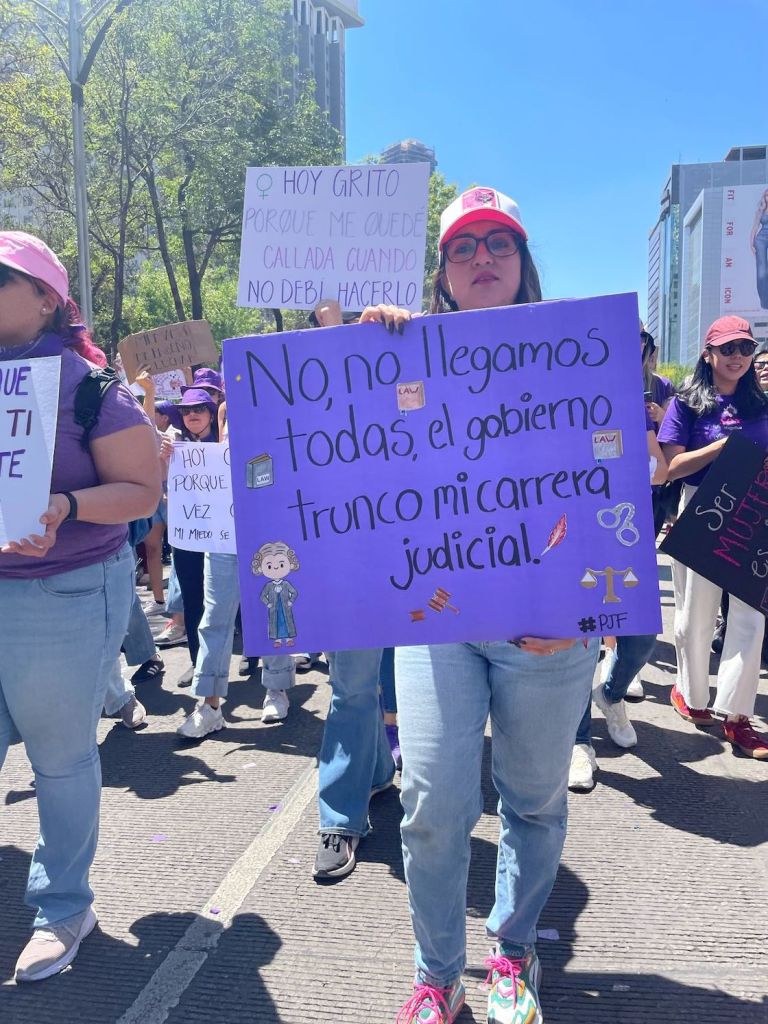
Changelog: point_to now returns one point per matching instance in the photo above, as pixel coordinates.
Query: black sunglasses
(761, 364)
(187, 409)
(746, 347)
(462, 248)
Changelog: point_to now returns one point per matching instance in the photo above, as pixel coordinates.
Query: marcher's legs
(632, 652)
(189, 570)
(53, 693)
(739, 673)
(355, 755)
(217, 626)
(138, 643)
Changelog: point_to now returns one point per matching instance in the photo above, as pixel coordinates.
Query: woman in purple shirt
(65, 595)
(722, 396)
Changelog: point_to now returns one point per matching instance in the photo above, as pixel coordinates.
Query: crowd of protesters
(420, 710)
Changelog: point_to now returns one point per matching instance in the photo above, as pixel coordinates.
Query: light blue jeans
(355, 754)
(51, 695)
(216, 631)
(138, 646)
(173, 602)
(445, 694)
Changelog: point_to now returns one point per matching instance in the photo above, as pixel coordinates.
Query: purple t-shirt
(683, 427)
(662, 389)
(78, 544)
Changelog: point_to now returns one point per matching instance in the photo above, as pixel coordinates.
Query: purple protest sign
(483, 477)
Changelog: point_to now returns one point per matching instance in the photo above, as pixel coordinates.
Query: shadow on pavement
(154, 765)
(111, 973)
(573, 997)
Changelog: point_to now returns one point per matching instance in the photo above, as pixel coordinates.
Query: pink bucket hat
(31, 256)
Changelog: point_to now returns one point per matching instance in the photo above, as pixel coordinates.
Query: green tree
(441, 194)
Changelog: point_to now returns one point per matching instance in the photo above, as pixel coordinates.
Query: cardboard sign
(723, 532)
(29, 407)
(443, 485)
(168, 348)
(356, 235)
(200, 514)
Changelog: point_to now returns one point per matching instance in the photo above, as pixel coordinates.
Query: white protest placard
(29, 406)
(353, 234)
(200, 515)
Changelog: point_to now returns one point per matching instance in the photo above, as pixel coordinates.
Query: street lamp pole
(77, 70)
(75, 67)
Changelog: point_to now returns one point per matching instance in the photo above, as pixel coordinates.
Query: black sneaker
(187, 677)
(335, 856)
(247, 666)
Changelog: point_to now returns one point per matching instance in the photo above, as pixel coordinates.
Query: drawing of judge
(275, 561)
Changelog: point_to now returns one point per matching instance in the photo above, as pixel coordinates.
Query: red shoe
(699, 716)
(744, 738)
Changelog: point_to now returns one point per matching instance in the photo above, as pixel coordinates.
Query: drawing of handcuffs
(620, 519)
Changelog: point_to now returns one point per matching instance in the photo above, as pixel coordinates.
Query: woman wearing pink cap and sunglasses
(722, 396)
(534, 690)
(65, 596)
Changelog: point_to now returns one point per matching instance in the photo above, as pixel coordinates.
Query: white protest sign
(353, 234)
(200, 514)
(29, 406)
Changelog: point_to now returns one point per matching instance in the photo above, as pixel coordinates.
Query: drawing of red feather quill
(557, 536)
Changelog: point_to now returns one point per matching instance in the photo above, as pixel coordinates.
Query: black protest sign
(723, 532)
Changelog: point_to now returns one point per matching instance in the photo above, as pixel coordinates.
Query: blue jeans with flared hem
(221, 589)
(445, 694)
(51, 696)
(355, 754)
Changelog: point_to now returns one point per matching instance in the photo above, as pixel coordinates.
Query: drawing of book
(259, 471)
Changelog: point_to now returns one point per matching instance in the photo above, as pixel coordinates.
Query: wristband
(72, 514)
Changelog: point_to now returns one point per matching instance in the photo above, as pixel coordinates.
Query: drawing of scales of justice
(589, 581)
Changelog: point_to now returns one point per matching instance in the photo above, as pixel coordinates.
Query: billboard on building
(744, 250)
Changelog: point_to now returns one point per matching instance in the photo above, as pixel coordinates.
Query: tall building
(319, 28)
(700, 263)
(410, 151)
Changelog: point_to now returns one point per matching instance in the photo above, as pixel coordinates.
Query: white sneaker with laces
(52, 949)
(155, 609)
(275, 707)
(581, 776)
(133, 713)
(203, 720)
(620, 729)
(635, 689)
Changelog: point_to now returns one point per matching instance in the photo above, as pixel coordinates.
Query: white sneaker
(133, 713)
(620, 728)
(204, 719)
(581, 776)
(635, 689)
(156, 609)
(171, 635)
(275, 706)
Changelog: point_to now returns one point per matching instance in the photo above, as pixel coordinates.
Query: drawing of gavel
(439, 601)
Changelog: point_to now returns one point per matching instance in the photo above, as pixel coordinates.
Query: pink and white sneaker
(430, 1005)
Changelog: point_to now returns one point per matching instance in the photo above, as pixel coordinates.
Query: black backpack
(88, 398)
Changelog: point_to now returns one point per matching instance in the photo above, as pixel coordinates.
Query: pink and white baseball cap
(480, 204)
(31, 256)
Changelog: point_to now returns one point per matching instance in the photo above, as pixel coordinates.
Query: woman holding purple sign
(722, 396)
(535, 691)
(65, 596)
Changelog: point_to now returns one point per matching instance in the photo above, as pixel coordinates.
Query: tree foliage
(181, 98)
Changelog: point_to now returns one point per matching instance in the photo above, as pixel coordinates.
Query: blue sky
(576, 108)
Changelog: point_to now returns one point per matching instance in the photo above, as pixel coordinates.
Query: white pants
(696, 605)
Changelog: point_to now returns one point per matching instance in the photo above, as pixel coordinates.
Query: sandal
(149, 670)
